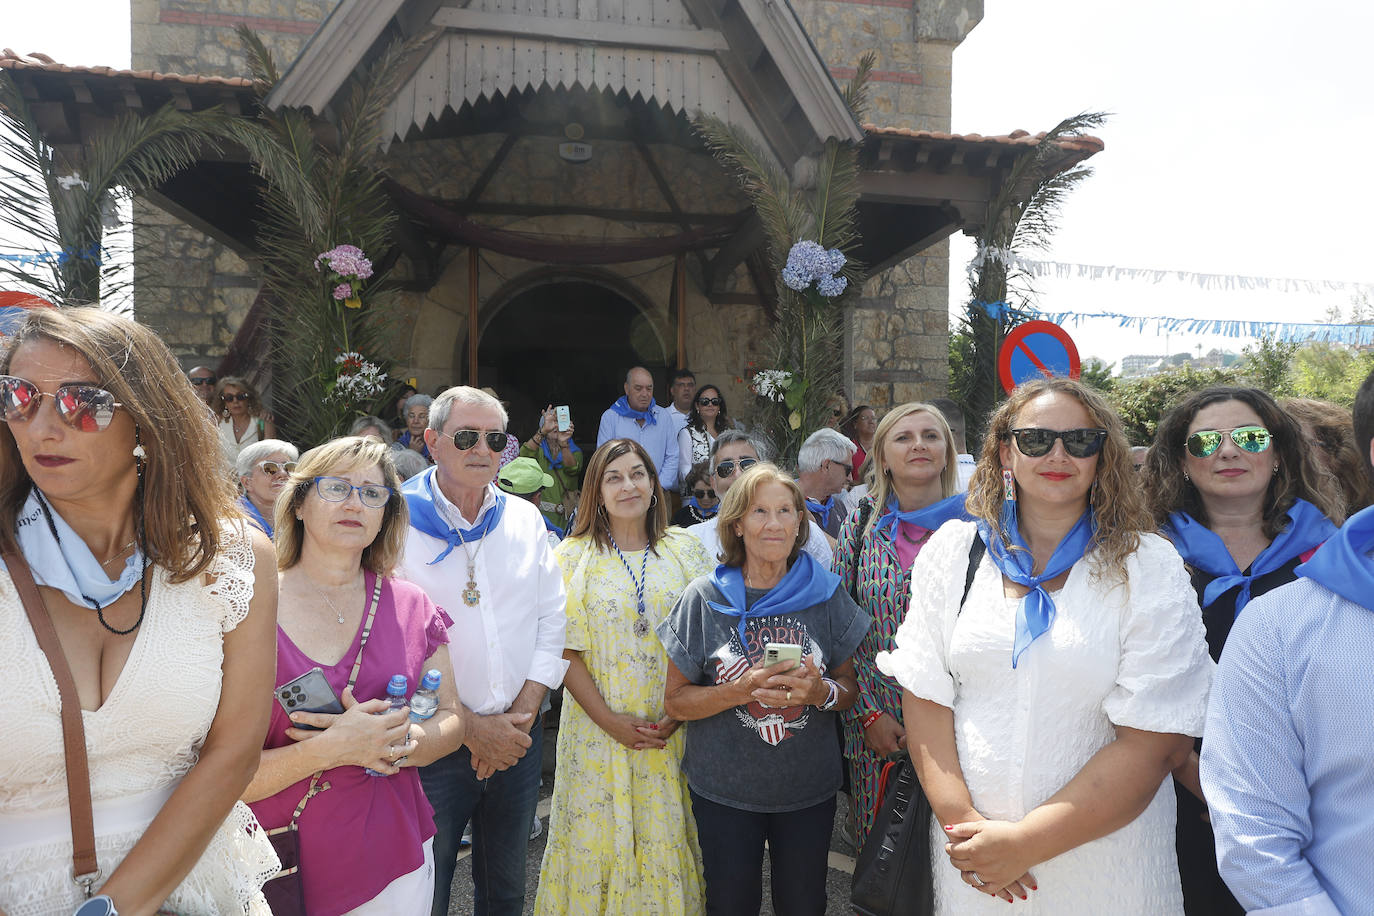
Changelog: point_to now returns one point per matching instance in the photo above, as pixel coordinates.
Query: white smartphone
(564, 417)
(776, 652)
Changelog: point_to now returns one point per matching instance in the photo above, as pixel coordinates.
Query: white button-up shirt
(515, 632)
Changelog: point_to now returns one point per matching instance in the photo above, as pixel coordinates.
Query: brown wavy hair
(736, 505)
(591, 516)
(188, 493)
(1297, 476)
(1334, 428)
(1116, 500)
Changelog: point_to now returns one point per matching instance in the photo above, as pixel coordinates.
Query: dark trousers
(732, 857)
(501, 809)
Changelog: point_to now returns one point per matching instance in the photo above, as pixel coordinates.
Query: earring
(140, 454)
(1008, 485)
(1276, 467)
(653, 500)
(1186, 477)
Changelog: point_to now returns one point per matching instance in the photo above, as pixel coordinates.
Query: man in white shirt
(484, 557)
(954, 416)
(823, 465)
(682, 390)
(733, 453)
(636, 416)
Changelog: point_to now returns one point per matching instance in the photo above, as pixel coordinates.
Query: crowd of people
(1134, 682)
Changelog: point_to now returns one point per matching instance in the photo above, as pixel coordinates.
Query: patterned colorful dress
(884, 591)
(622, 838)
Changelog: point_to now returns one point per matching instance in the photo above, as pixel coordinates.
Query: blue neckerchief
(255, 518)
(1035, 613)
(65, 562)
(1203, 549)
(404, 441)
(623, 408)
(822, 509)
(425, 518)
(702, 514)
(556, 458)
(1343, 564)
(552, 527)
(930, 518)
(805, 585)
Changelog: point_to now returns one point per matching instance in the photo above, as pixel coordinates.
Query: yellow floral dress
(622, 839)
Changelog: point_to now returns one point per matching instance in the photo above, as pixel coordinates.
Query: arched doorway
(566, 342)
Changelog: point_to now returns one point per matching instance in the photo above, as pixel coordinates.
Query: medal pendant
(471, 595)
(641, 627)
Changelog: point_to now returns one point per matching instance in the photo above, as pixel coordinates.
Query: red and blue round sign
(14, 306)
(1036, 349)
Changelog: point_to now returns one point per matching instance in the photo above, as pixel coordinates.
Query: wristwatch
(99, 905)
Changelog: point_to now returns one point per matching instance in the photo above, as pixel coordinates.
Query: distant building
(1138, 364)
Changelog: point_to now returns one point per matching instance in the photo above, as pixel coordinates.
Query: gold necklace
(114, 556)
(338, 614)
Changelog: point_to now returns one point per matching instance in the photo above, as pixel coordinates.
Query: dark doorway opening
(566, 343)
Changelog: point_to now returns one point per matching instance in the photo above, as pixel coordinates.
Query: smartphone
(776, 652)
(564, 418)
(309, 693)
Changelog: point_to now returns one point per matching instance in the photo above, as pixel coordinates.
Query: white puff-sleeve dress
(141, 742)
(1129, 655)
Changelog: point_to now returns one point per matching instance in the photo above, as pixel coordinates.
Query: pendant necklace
(641, 626)
(338, 614)
(472, 594)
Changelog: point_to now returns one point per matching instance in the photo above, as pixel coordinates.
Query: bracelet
(871, 718)
(832, 697)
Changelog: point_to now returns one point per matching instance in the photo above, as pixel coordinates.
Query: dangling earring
(653, 500)
(140, 453)
(1008, 485)
(1187, 478)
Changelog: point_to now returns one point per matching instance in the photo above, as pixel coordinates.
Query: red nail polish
(1023, 897)
(1035, 887)
(949, 827)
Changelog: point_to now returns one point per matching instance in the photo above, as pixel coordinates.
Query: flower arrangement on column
(808, 225)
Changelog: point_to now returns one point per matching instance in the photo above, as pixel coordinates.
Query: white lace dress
(141, 742)
(1133, 657)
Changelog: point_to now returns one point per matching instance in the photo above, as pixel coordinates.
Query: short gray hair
(735, 436)
(417, 400)
(824, 445)
(258, 451)
(378, 423)
(467, 395)
(408, 462)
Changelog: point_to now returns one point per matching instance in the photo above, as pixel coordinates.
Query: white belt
(117, 815)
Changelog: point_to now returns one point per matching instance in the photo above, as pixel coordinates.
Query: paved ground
(837, 884)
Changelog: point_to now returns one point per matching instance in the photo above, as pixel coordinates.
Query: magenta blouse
(364, 831)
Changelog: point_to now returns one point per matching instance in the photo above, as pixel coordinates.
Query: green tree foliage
(1098, 374)
(1330, 373)
(1142, 402)
(1268, 365)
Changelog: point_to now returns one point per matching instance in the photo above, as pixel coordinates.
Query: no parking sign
(1036, 349)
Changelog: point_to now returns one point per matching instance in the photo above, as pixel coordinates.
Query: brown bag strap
(85, 871)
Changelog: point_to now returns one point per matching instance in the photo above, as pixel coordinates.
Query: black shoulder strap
(975, 556)
(865, 510)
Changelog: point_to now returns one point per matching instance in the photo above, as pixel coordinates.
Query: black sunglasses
(727, 467)
(241, 396)
(709, 402)
(1080, 443)
(82, 407)
(465, 439)
(704, 494)
(199, 380)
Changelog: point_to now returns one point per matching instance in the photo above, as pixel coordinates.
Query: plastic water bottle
(425, 701)
(396, 699)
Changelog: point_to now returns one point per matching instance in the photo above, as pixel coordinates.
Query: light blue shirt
(1288, 754)
(659, 439)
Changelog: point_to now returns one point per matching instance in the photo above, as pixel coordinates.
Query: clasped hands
(368, 734)
(992, 857)
(784, 684)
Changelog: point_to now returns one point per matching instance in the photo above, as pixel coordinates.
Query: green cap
(522, 477)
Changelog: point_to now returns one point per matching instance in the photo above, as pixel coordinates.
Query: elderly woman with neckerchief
(915, 476)
(1054, 668)
(762, 762)
(263, 469)
(112, 492)
(1232, 483)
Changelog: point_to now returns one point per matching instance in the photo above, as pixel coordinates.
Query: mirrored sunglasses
(727, 467)
(273, 468)
(465, 439)
(704, 494)
(82, 407)
(1079, 443)
(1205, 442)
(202, 380)
(337, 490)
(709, 402)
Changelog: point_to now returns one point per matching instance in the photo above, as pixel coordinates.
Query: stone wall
(899, 333)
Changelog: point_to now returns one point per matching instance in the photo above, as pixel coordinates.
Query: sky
(1236, 143)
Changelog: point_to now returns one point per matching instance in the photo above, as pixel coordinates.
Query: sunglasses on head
(1253, 439)
(727, 467)
(337, 490)
(703, 494)
(241, 396)
(1079, 443)
(200, 380)
(82, 407)
(709, 402)
(273, 468)
(465, 439)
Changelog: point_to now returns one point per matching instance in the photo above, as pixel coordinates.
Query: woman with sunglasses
(861, 426)
(1232, 483)
(699, 500)
(915, 487)
(366, 841)
(243, 420)
(1053, 666)
(112, 493)
(263, 469)
(707, 419)
(621, 837)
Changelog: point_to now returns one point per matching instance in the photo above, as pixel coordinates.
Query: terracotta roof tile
(9, 60)
(1085, 144)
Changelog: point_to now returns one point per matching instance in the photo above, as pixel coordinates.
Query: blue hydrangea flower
(795, 279)
(830, 287)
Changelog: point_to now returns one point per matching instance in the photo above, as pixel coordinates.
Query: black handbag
(893, 875)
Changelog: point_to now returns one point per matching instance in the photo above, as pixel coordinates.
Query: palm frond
(261, 65)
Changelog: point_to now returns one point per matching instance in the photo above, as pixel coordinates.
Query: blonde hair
(238, 381)
(591, 516)
(187, 494)
(875, 465)
(736, 505)
(349, 453)
(1117, 501)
